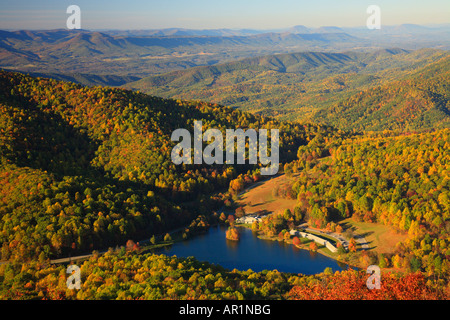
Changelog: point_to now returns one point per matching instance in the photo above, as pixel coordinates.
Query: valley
(312, 86)
(86, 120)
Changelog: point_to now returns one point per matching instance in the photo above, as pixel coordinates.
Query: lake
(250, 252)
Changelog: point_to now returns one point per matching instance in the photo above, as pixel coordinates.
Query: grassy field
(381, 238)
(259, 199)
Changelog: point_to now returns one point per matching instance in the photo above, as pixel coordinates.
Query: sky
(215, 14)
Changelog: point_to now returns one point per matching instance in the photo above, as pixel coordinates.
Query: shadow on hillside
(263, 212)
(260, 203)
(42, 139)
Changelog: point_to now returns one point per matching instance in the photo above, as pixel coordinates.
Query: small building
(249, 219)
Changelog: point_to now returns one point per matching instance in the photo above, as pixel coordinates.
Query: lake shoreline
(250, 252)
(301, 247)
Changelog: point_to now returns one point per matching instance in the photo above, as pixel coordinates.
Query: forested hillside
(131, 276)
(420, 100)
(300, 86)
(399, 180)
(86, 168)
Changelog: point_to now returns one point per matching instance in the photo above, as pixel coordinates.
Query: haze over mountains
(62, 51)
(398, 29)
(140, 53)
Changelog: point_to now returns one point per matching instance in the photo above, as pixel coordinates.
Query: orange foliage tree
(351, 285)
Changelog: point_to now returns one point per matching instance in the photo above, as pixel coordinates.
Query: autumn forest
(364, 142)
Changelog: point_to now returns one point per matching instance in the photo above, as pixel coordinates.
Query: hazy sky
(212, 14)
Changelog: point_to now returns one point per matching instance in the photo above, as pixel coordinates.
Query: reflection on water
(251, 253)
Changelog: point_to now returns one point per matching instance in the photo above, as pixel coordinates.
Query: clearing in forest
(260, 198)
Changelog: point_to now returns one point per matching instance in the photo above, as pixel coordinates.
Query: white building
(248, 219)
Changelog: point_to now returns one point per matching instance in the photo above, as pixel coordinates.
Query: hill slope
(399, 180)
(291, 86)
(419, 100)
(84, 168)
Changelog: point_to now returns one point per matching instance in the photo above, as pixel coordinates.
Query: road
(360, 239)
(87, 256)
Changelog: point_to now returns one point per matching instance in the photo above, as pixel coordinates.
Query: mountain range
(141, 53)
(391, 29)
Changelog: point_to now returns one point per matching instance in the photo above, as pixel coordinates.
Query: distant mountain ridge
(103, 53)
(140, 53)
(391, 29)
(294, 62)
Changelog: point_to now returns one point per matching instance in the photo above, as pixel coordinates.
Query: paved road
(87, 256)
(66, 260)
(360, 239)
(334, 235)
